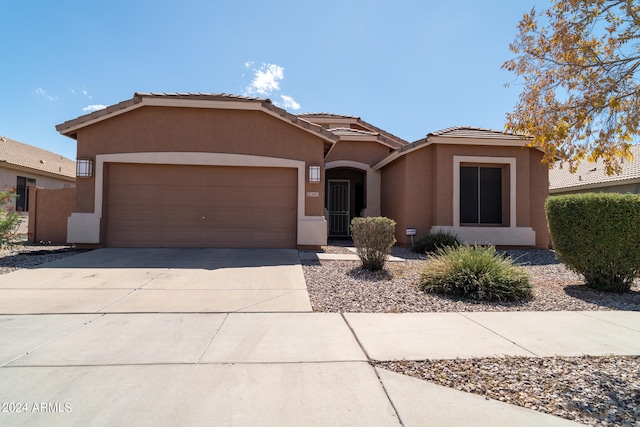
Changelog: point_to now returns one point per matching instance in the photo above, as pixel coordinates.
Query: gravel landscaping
(590, 390)
(24, 255)
(344, 287)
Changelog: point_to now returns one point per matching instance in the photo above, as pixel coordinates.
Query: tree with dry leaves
(578, 60)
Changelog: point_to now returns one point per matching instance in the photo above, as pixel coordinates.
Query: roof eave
(70, 128)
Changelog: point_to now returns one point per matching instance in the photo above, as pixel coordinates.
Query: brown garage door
(200, 206)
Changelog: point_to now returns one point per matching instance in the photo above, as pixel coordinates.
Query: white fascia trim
(163, 102)
(496, 142)
(399, 153)
(197, 103)
(511, 161)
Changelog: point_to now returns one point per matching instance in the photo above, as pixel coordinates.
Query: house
(23, 165)
(218, 170)
(591, 177)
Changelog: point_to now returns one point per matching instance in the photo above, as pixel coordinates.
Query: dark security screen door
(338, 206)
(480, 195)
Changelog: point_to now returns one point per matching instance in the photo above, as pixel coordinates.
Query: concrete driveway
(160, 281)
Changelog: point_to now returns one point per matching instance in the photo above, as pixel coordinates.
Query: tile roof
(390, 139)
(68, 128)
(20, 154)
(328, 115)
(495, 137)
(475, 132)
(593, 174)
(350, 131)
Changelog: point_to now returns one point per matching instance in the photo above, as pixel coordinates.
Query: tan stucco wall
(393, 198)
(421, 203)
(367, 152)
(539, 193)
(48, 212)
(165, 129)
(427, 177)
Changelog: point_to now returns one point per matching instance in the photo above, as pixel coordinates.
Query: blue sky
(409, 67)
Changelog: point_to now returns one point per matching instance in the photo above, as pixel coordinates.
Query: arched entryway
(345, 198)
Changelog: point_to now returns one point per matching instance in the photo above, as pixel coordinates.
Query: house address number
(313, 194)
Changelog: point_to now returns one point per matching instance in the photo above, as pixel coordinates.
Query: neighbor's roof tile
(593, 173)
(20, 154)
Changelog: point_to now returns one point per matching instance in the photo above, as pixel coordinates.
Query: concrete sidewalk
(134, 366)
(278, 368)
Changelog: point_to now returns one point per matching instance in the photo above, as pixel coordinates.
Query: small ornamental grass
(476, 273)
(433, 241)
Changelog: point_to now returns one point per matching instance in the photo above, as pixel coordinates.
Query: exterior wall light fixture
(84, 168)
(314, 173)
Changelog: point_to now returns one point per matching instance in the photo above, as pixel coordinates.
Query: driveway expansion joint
(500, 335)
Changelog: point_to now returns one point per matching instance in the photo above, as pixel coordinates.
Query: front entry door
(338, 206)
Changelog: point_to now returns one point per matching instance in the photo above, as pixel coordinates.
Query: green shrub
(373, 238)
(597, 236)
(475, 272)
(9, 218)
(433, 241)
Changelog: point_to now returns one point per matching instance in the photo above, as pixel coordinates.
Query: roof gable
(463, 135)
(593, 174)
(19, 154)
(382, 136)
(193, 100)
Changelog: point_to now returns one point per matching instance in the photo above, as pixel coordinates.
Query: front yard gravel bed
(27, 256)
(345, 287)
(589, 390)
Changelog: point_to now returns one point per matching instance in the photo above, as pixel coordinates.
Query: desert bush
(9, 218)
(373, 238)
(597, 236)
(476, 273)
(433, 241)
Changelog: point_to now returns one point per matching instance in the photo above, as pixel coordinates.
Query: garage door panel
(201, 206)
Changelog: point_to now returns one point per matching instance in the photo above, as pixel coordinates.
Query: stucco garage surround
(309, 230)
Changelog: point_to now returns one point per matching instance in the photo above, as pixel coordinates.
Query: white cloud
(94, 107)
(288, 102)
(266, 82)
(266, 79)
(43, 93)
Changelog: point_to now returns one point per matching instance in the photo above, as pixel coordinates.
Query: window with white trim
(481, 195)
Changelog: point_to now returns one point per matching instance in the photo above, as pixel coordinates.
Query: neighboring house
(23, 165)
(217, 170)
(591, 177)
